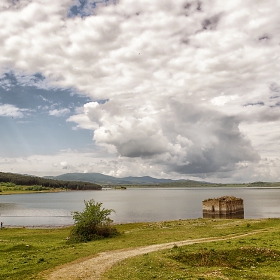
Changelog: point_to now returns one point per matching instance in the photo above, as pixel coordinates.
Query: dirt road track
(92, 269)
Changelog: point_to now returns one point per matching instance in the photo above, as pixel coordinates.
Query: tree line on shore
(27, 180)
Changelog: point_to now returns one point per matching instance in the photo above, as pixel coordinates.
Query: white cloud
(59, 112)
(77, 161)
(222, 100)
(62, 162)
(8, 110)
(145, 58)
(178, 136)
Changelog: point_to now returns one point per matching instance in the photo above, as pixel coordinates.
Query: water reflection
(7, 207)
(224, 216)
(133, 205)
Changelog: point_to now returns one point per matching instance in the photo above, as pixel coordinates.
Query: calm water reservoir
(131, 205)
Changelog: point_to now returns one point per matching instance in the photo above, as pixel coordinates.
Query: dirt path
(92, 269)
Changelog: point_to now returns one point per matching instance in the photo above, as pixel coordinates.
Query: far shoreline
(138, 187)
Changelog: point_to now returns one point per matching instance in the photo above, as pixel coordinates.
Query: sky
(180, 89)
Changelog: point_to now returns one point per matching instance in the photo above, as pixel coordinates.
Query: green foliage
(93, 223)
(37, 188)
(10, 180)
(7, 184)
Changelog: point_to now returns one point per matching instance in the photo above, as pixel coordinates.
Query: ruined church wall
(223, 206)
(231, 207)
(211, 206)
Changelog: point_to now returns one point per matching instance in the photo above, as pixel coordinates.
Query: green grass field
(26, 253)
(255, 257)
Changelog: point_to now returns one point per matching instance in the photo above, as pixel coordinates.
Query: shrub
(92, 223)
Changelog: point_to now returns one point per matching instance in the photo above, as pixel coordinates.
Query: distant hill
(110, 180)
(52, 182)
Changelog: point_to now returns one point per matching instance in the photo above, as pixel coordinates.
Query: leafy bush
(92, 223)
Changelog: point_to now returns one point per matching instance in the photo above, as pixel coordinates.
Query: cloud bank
(186, 88)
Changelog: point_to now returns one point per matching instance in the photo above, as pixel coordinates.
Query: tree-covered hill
(27, 180)
(110, 180)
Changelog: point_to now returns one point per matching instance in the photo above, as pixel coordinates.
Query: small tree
(92, 223)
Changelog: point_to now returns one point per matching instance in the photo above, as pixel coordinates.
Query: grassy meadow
(254, 257)
(30, 253)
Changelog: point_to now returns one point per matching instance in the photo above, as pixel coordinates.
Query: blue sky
(38, 125)
(170, 89)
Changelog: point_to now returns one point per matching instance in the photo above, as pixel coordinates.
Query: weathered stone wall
(231, 207)
(212, 205)
(223, 206)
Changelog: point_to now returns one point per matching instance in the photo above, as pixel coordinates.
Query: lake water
(131, 205)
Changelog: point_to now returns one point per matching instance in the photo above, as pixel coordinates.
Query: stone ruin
(228, 207)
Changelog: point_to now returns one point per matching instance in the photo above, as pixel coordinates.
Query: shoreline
(38, 226)
(139, 187)
(124, 223)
